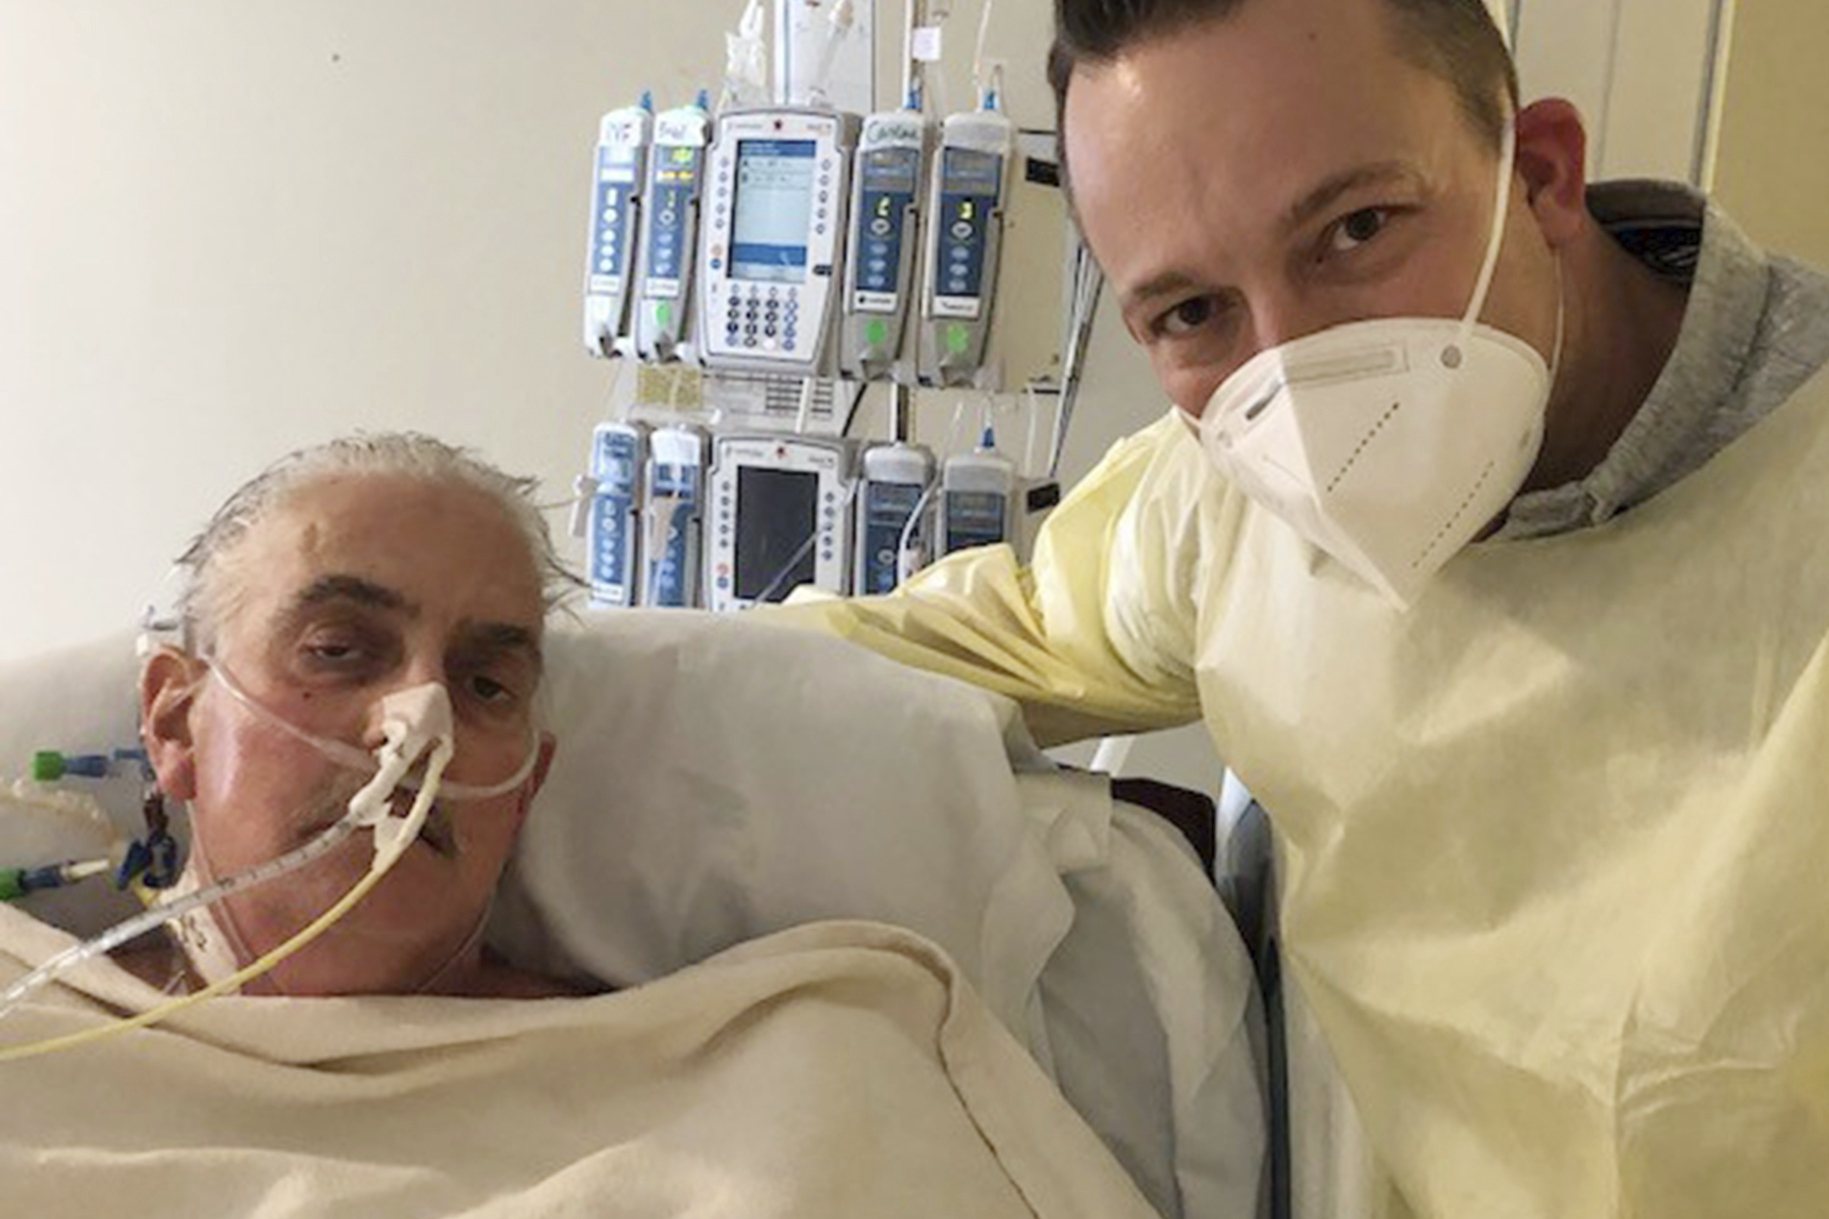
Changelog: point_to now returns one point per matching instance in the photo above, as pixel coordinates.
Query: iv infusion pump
(893, 488)
(618, 455)
(777, 193)
(676, 164)
(622, 163)
(792, 242)
(671, 507)
(800, 242)
(971, 184)
(778, 516)
(880, 273)
(977, 501)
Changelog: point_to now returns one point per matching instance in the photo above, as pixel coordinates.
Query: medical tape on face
(356, 759)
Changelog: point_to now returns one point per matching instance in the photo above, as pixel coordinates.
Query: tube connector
(412, 721)
(48, 766)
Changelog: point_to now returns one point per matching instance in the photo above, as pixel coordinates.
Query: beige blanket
(836, 1069)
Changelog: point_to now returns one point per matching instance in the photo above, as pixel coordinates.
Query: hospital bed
(1318, 1162)
(720, 780)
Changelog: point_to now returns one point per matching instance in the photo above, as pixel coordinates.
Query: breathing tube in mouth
(416, 727)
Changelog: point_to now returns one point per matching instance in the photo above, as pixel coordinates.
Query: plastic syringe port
(48, 766)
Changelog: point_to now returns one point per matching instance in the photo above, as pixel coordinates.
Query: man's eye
(1187, 317)
(332, 651)
(489, 690)
(1357, 228)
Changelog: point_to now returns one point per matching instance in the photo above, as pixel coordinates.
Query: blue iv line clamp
(150, 860)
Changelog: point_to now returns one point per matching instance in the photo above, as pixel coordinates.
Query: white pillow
(718, 779)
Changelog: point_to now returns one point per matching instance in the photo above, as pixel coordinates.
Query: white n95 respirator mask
(1389, 443)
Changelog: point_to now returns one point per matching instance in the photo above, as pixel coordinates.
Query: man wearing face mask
(1484, 535)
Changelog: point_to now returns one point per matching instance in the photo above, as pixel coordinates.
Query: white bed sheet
(832, 1071)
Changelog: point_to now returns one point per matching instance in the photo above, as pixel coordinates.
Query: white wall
(229, 228)
(1772, 173)
(1640, 71)
(233, 228)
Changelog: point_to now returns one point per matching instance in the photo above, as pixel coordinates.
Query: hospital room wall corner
(1771, 169)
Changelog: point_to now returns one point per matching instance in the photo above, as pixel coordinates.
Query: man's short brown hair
(1455, 40)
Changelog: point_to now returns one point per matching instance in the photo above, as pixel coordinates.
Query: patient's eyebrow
(504, 637)
(350, 588)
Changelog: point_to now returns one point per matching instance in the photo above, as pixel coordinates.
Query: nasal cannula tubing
(354, 758)
(366, 807)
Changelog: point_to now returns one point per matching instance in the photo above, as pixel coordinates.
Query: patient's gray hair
(203, 600)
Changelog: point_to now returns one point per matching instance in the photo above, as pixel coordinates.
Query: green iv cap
(47, 766)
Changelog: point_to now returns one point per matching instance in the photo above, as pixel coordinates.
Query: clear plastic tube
(745, 56)
(151, 920)
(838, 25)
(981, 77)
(908, 559)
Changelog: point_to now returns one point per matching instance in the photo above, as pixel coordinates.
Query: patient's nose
(411, 675)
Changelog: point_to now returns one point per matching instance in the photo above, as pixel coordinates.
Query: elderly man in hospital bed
(355, 718)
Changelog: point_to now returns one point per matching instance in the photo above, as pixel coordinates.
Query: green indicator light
(663, 313)
(876, 330)
(958, 338)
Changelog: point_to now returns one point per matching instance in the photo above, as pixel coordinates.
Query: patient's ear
(168, 691)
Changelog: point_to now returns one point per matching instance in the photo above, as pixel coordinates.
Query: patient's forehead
(444, 550)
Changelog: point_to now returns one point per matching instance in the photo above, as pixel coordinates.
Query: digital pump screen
(888, 194)
(971, 183)
(777, 520)
(678, 167)
(774, 203)
(973, 518)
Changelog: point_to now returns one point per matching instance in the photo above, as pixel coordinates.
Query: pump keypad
(763, 319)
